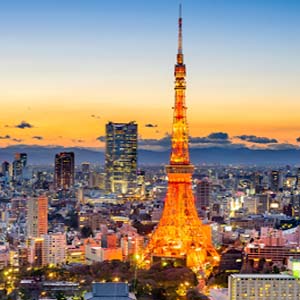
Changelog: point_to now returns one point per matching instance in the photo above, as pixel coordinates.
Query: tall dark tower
(180, 234)
(121, 157)
(275, 180)
(64, 172)
(19, 164)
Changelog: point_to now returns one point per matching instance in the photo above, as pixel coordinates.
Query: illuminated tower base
(180, 234)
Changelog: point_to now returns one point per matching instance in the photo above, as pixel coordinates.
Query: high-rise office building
(64, 170)
(85, 171)
(85, 167)
(19, 164)
(5, 168)
(203, 194)
(37, 218)
(42, 180)
(262, 204)
(121, 157)
(275, 180)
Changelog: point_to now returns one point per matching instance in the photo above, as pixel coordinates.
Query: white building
(263, 287)
(99, 254)
(55, 248)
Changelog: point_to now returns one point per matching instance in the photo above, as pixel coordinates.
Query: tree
(24, 294)
(72, 220)
(276, 269)
(194, 294)
(165, 282)
(60, 296)
(86, 232)
(159, 293)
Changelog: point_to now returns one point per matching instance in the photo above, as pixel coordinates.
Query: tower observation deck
(180, 234)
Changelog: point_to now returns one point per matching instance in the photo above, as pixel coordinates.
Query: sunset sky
(69, 67)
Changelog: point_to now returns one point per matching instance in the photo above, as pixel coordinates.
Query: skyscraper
(180, 235)
(5, 172)
(121, 157)
(5, 168)
(298, 178)
(85, 167)
(37, 217)
(275, 180)
(203, 194)
(19, 164)
(64, 170)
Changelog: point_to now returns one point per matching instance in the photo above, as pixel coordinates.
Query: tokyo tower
(180, 234)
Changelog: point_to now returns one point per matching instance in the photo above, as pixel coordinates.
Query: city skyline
(70, 68)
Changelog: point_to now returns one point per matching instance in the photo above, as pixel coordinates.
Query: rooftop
(262, 276)
(110, 290)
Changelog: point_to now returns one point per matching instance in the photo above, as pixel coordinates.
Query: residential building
(37, 217)
(55, 248)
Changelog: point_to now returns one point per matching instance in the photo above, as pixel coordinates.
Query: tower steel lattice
(180, 233)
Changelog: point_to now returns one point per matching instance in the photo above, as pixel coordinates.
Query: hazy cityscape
(169, 216)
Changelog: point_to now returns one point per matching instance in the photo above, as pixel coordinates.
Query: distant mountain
(214, 155)
(39, 155)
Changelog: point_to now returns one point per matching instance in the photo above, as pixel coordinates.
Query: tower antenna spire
(180, 30)
(180, 10)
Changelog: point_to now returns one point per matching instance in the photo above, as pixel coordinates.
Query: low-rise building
(99, 254)
(263, 287)
(110, 290)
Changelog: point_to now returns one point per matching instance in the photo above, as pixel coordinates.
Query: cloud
(228, 145)
(257, 139)
(206, 140)
(101, 138)
(216, 139)
(218, 136)
(95, 117)
(24, 125)
(5, 137)
(150, 125)
(164, 142)
(17, 140)
(38, 137)
(284, 146)
(77, 140)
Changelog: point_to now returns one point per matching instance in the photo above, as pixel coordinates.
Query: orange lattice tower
(180, 234)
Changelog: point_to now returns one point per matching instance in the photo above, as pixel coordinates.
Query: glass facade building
(64, 170)
(121, 157)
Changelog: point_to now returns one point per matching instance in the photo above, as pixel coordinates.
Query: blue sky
(94, 57)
